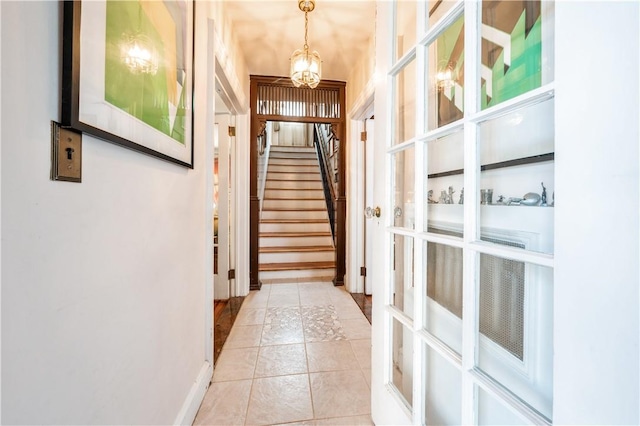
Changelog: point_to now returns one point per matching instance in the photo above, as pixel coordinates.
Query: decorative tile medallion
(321, 323)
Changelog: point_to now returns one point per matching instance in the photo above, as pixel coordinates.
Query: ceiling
(269, 31)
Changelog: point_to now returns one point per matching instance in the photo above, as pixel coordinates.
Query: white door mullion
(471, 211)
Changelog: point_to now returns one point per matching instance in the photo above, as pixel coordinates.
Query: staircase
(295, 235)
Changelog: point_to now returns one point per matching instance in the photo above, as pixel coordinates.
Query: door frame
(362, 110)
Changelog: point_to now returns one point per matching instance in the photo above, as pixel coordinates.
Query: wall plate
(66, 154)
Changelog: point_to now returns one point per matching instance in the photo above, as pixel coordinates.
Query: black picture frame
(108, 95)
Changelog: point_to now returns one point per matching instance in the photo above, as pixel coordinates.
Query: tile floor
(298, 353)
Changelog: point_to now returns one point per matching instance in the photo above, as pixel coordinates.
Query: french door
(463, 267)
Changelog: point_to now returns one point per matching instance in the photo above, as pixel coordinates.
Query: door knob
(371, 212)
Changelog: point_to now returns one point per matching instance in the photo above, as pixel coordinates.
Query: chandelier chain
(306, 28)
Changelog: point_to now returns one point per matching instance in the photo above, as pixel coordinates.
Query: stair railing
(321, 143)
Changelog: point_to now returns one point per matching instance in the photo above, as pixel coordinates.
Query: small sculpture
(430, 199)
(443, 197)
(500, 199)
(461, 201)
(543, 199)
(450, 195)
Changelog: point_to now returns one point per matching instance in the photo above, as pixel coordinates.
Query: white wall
(103, 285)
(597, 257)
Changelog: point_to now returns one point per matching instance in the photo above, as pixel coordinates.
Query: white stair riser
(291, 193)
(313, 177)
(293, 157)
(295, 214)
(328, 273)
(294, 184)
(324, 240)
(295, 227)
(292, 149)
(294, 204)
(292, 256)
(293, 168)
(309, 162)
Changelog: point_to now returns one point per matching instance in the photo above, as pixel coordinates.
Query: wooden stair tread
(293, 209)
(296, 266)
(294, 221)
(292, 198)
(294, 189)
(293, 180)
(286, 249)
(294, 234)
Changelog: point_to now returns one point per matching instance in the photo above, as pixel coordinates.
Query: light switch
(66, 154)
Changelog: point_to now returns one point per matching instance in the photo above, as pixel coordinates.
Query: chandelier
(306, 67)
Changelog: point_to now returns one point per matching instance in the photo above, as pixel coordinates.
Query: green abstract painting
(145, 74)
(511, 51)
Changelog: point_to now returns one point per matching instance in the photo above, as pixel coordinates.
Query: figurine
(430, 199)
(543, 202)
(461, 201)
(500, 199)
(450, 195)
(443, 197)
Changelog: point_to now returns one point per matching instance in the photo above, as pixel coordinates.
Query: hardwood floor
(225, 313)
(364, 303)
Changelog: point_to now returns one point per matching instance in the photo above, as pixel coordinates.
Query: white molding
(208, 213)
(187, 413)
(241, 284)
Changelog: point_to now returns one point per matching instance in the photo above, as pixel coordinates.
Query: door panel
(462, 328)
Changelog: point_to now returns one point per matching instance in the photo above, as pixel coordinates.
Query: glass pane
(404, 188)
(516, 153)
(444, 180)
(436, 9)
(444, 294)
(405, 104)
(405, 26)
(445, 85)
(516, 328)
(517, 49)
(492, 412)
(402, 359)
(403, 274)
(443, 394)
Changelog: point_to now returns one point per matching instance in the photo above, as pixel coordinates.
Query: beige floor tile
(367, 376)
(356, 329)
(340, 394)
(324, 285)
(250, 316)
(362, 351)
(282, 399)
(346, 421)
(257, 298)
(280, 360)
(310, 298)
(225, 403)
(284, 288)
(243, 336)
(283, 299)
(331, 356)
(235, 364)
(348, 309)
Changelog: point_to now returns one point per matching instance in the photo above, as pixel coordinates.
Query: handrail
(320, 143)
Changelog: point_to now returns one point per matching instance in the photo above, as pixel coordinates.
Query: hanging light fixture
(306, 67)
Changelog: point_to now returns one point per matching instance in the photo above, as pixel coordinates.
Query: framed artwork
(127, 74)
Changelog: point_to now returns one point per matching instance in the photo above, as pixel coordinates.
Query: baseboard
(189, 409)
